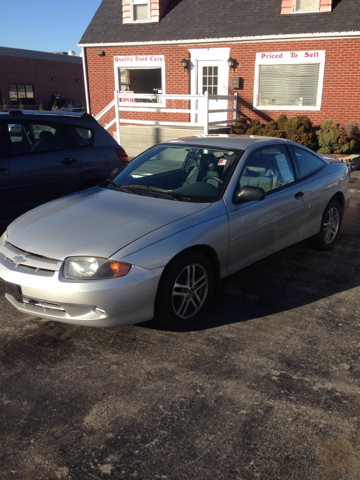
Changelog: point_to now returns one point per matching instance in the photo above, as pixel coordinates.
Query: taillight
(123, 155)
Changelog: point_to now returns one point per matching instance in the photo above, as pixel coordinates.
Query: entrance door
(212, 77)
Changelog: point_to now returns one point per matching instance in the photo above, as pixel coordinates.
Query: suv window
(307, 162)
(83, 137)
(31, 137)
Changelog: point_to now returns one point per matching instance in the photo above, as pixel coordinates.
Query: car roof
(238, 142)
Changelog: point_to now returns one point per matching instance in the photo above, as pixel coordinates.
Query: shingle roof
(201, 19)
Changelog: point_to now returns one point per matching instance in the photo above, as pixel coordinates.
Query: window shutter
(289, 85)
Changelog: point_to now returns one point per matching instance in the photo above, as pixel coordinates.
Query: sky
(45, 25)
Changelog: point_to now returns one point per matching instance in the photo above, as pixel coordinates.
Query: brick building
(280, 56)
(31, 77)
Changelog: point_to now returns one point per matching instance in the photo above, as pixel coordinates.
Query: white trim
(289, 57)
(251, 39)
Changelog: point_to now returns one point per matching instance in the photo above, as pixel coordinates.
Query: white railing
(201, 108)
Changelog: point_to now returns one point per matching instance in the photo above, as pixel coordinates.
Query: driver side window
(269, 168)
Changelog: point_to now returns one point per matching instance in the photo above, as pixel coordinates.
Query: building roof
(210, 19)
(35, 54)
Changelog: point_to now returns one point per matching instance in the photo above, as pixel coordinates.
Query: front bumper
(45, 293)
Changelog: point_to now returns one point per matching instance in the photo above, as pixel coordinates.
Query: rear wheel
(330, 226)
(185, 291)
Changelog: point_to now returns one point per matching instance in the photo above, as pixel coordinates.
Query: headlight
(94, 268)
(3, 237)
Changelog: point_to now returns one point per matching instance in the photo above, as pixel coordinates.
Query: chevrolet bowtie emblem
(19, 259)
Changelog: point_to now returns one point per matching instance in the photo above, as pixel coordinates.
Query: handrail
(198, 103)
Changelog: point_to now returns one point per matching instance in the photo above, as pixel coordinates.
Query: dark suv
(44, 155)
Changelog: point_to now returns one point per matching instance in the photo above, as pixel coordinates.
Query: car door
(42, 163)
(316, 180)
(258, 228)
(7, 205)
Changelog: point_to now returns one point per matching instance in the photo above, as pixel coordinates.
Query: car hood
(96, 222)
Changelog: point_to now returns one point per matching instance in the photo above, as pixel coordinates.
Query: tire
(330, 226)
(185, 291)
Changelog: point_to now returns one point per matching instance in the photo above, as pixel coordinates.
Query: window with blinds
(292, 85)
(306, 5)
(140, 10)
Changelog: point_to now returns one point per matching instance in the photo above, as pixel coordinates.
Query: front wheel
(330, 226)
(185, 291)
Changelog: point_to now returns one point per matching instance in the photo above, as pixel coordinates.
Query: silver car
(155, 240)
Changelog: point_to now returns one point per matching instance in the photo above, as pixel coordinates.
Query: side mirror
(248, 194)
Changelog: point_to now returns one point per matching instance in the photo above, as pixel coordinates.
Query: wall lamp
(52, 78)
(185, 63)
(101, 53)
(232, 63)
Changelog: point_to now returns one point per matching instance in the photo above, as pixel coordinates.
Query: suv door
(7, 205)
(42, 162)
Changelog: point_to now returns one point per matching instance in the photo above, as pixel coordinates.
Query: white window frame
(286, 58)
(295, 8)
(140, 2)
(141, 61)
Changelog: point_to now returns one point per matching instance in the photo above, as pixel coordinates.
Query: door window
(28, 137)
(269, 168)
(210, 79)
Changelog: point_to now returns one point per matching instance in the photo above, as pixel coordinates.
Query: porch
(139, 121)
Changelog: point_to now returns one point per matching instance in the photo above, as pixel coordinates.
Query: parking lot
(266, 387)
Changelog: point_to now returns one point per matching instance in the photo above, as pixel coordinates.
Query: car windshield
(184, 173)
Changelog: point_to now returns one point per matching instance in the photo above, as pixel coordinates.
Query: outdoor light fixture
(78, 80)
(53, 78)
(232, 63)
(185, 63)
(101, 53)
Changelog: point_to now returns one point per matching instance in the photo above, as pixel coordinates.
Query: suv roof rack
(85, 116)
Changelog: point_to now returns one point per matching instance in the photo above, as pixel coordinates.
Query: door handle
(68, 161)
(299, 195)
(3, 169)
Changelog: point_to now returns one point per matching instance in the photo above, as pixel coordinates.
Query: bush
(334, 139)
(299, 129)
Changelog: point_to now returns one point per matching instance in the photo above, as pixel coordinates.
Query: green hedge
(324, 139)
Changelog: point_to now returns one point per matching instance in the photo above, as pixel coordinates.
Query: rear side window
(83, 137)
(307, 163)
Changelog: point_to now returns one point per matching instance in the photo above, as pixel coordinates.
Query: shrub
(240, 127)
(4, 106)
(334, 139)
(300, 130)
(41, 106)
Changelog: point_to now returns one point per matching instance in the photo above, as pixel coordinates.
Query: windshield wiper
(154, 191)
(111, 182)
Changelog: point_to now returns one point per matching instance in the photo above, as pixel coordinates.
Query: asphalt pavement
(266, 387)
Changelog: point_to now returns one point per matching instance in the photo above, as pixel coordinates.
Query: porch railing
(200, 111)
